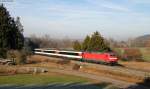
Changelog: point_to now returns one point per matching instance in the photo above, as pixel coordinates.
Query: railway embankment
(125, 76)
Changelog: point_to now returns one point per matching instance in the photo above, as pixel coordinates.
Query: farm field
(50, 80)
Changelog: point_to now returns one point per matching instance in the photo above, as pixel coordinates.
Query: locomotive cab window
(113, 55)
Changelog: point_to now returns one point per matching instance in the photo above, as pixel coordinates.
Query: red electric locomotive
(109, 58)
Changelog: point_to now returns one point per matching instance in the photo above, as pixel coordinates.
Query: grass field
(26, 79)
(43, 81)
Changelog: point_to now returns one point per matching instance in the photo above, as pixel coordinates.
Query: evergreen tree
(19, 34)
(85, 43)
(10, 36)
(77, 45)
(97, 43)
(19, 25)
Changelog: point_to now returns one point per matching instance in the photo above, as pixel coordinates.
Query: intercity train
(96, 57)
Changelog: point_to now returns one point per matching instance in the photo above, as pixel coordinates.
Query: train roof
(67, 51)
(71, 51)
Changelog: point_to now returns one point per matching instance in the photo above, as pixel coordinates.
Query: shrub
(18, 56)
(132, 54)
(118, 52)
(77, 45)
(76, 67)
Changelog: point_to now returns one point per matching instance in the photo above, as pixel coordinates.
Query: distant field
(146, 53)
(26, 79)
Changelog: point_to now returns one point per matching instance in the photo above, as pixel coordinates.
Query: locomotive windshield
(113, 55)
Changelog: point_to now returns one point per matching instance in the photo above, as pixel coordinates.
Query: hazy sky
(118, 19)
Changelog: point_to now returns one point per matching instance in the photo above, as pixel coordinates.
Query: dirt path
(142, 66)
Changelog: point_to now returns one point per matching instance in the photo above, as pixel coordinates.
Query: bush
(132, 54)
(118, 52)
(76, 67)
(18, 56)
(77, 45)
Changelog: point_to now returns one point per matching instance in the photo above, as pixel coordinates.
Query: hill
(142, 41)
(145, 37)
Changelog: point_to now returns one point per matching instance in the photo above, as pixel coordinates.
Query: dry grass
(137, 65)
(49, 62)
(38, 59)
(19, 56)
(12, 70)
(112, 74)
(6, 70)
